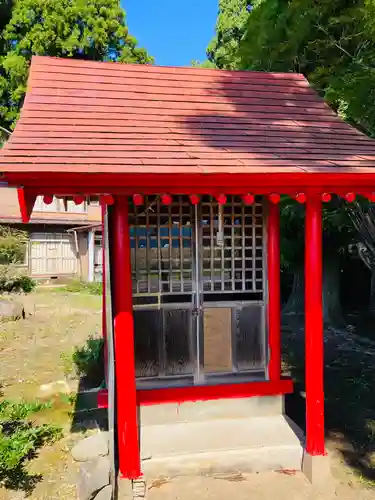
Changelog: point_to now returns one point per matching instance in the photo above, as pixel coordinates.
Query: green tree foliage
(85, 29)
(230, 27)
(203, 64)
(12, 245)
(5, 15)
(332, 42)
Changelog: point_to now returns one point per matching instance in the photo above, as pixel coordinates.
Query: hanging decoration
(138, 200)
(166, 199)
(78, 199)
(301, 198)
(47, 199)
(194, 199)
(326, 197)
(274, 198)
(106, 199)
(248, 199)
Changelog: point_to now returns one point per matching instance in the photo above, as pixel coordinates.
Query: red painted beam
(260, 183)
(274, 300)
(314, 345)
(26, 201)
(127, 428)
(206, 392)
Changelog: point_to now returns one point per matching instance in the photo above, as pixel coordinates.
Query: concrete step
(210, 410)
(246, 444)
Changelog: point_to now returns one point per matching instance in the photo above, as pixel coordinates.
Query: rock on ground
(47, 391)
(104, 494)
(11, 310)
(91, 448)
(93, 477)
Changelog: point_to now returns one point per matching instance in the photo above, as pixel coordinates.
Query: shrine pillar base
(317, 469)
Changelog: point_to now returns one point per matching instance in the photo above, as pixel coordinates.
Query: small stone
(139, 488)
(91, 448)
(93, 477)
(47, 391)
(104, 494)
(11, 310)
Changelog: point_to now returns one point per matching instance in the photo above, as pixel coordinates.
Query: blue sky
(172, 31)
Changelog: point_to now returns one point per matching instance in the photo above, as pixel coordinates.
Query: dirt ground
(262, 486)
(37, 350)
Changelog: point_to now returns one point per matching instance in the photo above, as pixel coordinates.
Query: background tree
(5, 15)
(13, 244)
(230, 28)
(84, 29)
(332, 42)
(363, 217)
(203, 64)
(338, 234)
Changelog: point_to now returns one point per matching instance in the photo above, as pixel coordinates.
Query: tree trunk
(295, 305)
(371, 306)
(332, 311)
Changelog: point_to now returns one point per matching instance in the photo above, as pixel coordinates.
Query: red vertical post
(314, 346)
(274, 310)
(129, 457)
(104, 308)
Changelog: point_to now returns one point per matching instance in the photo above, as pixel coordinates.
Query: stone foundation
(247, 434)
(94, 467)
(316, 468)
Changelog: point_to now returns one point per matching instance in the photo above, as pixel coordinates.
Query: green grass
(81, 287)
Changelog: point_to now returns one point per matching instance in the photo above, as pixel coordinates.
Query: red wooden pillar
(129, 457)
(273, 252)
(314, 346)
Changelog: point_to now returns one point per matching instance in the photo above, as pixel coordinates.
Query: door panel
(52, 254)
(248, 326)
(198, 287)
(217, 335)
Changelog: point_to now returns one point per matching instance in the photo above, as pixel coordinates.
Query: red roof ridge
(154, 68)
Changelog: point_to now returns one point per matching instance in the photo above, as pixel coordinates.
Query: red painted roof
(83, 116)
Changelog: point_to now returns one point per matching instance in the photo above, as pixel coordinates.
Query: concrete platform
(249, 444)
(211, 410)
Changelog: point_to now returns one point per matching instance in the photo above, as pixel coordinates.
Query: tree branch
(5, 130)
(340, 47)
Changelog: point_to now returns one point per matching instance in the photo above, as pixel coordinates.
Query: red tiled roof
(83, 116)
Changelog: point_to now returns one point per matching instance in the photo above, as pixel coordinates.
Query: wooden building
(189, 165)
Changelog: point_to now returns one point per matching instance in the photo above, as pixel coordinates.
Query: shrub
(20, 438)
(89, 360)
(67, 363)
(11, 282)
(12, 245)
